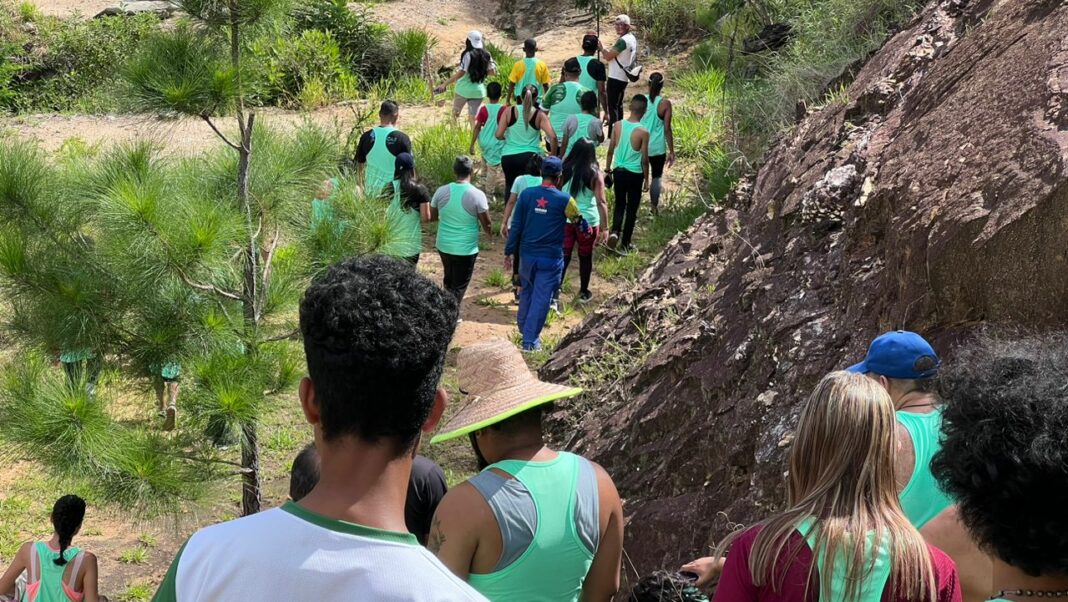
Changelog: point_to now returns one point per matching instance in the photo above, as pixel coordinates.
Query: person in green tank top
(378, 149)
(658, 121)
(587, 125)
(841, 506)
(461, 210)
(485, 134)
(584, 181)
(1004, 458)
(564, 99)
(906, 365)
(530, 71)
(55, 570)
(476, 66)
(409, 209)
(536, 525)
(593, 74)
(629, 148)
(521, 128)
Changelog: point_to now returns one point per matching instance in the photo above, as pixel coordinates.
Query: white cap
(475, 37)
(623, 20)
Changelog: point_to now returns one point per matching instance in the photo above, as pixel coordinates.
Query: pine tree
(146, 259)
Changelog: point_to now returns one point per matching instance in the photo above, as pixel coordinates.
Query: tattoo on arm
(437, 538)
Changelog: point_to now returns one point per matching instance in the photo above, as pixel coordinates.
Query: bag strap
(77, 567)
(34, 577)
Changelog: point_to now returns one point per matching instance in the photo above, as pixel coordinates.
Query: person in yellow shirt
(530, 70)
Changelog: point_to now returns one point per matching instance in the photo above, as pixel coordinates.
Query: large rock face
(934, 200)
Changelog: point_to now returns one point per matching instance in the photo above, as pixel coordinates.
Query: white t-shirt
(628, 55)
(291, 553)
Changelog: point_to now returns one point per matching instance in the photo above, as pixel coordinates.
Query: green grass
(497, 279)
(136, 555)
(664, 23)
(489, 302)
(437, 148)
(136, 592)
(147, 539)
(505, 61)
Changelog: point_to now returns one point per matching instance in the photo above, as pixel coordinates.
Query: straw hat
(498, 385)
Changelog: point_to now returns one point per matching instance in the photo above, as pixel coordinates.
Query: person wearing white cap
(535, 524)
(621, 59)
(476, 66)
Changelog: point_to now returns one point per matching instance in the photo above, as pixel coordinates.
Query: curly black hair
(375, 334)
(1004, 454)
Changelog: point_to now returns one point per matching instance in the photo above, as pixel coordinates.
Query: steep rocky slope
(933, 200)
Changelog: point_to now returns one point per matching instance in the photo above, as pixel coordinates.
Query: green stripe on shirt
(168, 591)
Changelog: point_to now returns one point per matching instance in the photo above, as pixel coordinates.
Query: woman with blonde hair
(843, 536)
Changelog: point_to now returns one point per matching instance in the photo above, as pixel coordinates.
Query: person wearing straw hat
(535, 524)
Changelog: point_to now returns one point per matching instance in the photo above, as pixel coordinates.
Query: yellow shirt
(541, 72)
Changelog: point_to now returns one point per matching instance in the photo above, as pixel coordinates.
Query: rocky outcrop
(933, 199)
(161, 8)
(528, 18)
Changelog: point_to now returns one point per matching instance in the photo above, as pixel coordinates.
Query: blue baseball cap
(552, 166)
(404, 161)
(897, 355)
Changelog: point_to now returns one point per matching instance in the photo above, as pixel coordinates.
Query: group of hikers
(540, 139)
(907, 479)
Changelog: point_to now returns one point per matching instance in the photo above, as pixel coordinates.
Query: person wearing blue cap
(906, 365)
(537, 233)
(409, 209)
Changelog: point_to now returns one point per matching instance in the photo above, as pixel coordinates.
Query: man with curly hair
(371, 392)
(1004, 458)
(907, 367)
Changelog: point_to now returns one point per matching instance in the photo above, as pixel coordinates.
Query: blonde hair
(842, 475)
(529, 92)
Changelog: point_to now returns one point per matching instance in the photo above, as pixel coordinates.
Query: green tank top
(487, 138)
(469, 89)
(626, 157)
(51, 588)
(381, 164)
(458, 230)
(555, 565)
(652, 122)
(871, 590)
(922, 499)
(520, 138)
(587, 204)
(564, 100)
(585, 78)
(583, 132)
(530, 76)
(406, 224)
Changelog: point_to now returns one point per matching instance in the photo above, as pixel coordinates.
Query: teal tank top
(652, 122)
(626, 157)
(530, 77)
(520, 138)
(922, 499)
(555, 565)
(381, 164)
(458, 230)
(585, 78)
(487, 138)
(582, 133)
(469, 89)
(406, 224)
(51, 574)
(564, 100)
(587, 204)
(871, 590)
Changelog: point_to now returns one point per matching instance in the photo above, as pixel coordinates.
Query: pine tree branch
(271, 248)
(211, 288)
(211, 124)
(288, 336)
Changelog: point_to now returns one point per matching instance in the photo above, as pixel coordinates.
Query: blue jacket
(541, 212)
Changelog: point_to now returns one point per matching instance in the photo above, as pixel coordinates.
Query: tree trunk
(250, 462)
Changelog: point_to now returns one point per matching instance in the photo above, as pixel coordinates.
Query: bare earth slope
(933, 200)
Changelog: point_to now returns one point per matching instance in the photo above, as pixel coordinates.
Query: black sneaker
(585, 297)
(613, 240)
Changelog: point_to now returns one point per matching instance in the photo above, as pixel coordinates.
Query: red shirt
(736, 584)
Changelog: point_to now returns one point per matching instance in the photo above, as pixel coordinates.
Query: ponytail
(67, 515)
(529, 109)
(656, 85)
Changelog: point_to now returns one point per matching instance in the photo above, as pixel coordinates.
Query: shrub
(505, 60)
(411, 49)
(404, 89)
(435, 150)
(664, 23)
(364, 43)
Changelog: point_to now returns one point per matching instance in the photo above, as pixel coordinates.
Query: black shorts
(656, 164)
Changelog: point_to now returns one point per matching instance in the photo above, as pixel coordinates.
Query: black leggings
(458, 270)
(628, 187)
(513, 167)
(616, 91)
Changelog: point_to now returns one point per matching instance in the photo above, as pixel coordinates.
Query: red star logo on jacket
(542, 203)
